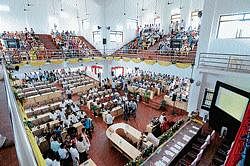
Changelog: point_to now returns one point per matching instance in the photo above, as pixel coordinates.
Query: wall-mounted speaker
(104, 41)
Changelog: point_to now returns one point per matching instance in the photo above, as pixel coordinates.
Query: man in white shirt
(151, 138)
(69, 93)
(73, 118)
(48, 162)
(161, 118)
(109, 119)
(53, 115)
(62, 105)
(75, 108)
(63, 153)
(75, 155)
(68, 102)
(82, 147)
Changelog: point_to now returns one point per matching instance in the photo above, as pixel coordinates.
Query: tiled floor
(101, 151)
(8, 152)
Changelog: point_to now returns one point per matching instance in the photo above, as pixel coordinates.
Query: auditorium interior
(155, 83)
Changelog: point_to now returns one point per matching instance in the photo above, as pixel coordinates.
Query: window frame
(116, 33)
(226, 15)
(205, 99)
(96, 33)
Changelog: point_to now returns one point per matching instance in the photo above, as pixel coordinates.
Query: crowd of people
(147, 36)
(27, 45)
(69, 42)
(166, 83)
(151, 34)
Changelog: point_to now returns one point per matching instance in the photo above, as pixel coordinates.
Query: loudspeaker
(174, 97)
(104, 41)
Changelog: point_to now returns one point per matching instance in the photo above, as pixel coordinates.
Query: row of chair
(193, 157)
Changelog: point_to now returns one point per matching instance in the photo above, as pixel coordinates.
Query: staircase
(47, 41)
(52, 50)
(97, 52)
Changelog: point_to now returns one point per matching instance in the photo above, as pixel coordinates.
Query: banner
(183, 65)
(149, 62)
(164, 63)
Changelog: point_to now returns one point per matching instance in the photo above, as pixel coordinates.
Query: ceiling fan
(170, 2)
(143, 9)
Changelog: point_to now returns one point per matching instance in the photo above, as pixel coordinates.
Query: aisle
(101, 150)
(7, 153)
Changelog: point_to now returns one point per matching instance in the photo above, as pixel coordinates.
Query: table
(43, 108)
(178, 104)
(167, 152)
(141, 91)
(115, 112)
(121, 144)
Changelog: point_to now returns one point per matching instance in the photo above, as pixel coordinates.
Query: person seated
(80, 114)
(62, 105)
(53, 115)
(66, 122)
(75, 108)
(68, 101)
(73, 118)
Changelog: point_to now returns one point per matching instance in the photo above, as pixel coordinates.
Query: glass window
(195, 20)
(234, 26)
(96, 36)
(176, 17)
(116, 36)
(207, 100)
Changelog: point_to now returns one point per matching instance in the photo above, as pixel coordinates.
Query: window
(207, 100)
(195, 20)
(234, 26)
(176, 17)
(96, 36)
(116, 36)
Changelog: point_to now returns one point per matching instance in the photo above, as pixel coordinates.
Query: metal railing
(24, 151)
(225, 62)
(159, 55)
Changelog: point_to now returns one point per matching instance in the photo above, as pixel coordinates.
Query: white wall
(213, 10)
(208, 42)
(108, 64)
(43, 14)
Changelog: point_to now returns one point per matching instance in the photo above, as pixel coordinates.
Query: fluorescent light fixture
(4, 8)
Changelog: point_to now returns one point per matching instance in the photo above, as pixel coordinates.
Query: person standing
(109, 119)
(88, 125)
(82, 149)
(74, 154)
(69, 93)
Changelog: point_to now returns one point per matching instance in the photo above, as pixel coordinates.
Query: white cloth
(74, 154)
(81, 146)
(161, 118)
(62, 153)
(151, 138)
(109, 119)
(55, 163)
(48, 162)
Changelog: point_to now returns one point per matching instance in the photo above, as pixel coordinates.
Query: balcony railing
(225, 62)
(24, 151)
(159, 55)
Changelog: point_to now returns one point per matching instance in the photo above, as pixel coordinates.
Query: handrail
(227, 62)
(24, 151)
(210, 53)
